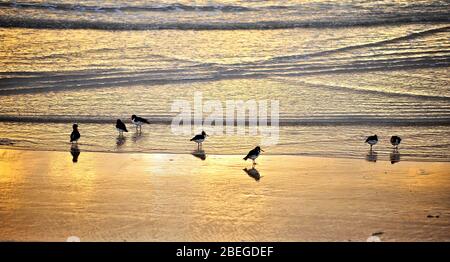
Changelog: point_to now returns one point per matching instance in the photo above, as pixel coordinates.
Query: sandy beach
(103, 102)
(44, 196)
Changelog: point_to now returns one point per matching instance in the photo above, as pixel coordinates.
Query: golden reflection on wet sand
(172, 197)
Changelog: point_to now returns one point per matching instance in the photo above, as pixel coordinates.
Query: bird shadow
(253, 173)
(75, 152)
(394, 156)
(372, 156)
(199, 153)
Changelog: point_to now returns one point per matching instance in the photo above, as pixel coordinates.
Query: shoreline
(161, 197)
(239, 156)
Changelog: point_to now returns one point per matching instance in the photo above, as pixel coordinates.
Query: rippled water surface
(340, 71)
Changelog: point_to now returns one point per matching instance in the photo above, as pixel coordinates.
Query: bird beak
(263, 150)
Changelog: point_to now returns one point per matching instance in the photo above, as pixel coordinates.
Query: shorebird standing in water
(253, 154)
(395, 141)
(121, 127)
(138, 122)
(199, 139)
(372, 140)
(75, 134)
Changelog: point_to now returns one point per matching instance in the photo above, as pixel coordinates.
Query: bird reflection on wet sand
(75, 152)
(394, 156)
(372, 156)
(200, 153)
(136, 136)
(120, 141)
(253, 173)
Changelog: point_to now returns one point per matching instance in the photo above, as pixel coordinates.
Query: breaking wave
(14, 22)
(316, 120)
(128, 8)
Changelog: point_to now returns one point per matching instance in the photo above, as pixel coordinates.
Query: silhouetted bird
(372, 140)
(121, 127)
(253, 154)
(395, 141)
(138, 121)
(75, 134)
(199, 139)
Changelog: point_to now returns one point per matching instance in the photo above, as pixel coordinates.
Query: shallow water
(343, 141)
(340, 71)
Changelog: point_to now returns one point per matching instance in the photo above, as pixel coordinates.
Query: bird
(253, 154)
(395, 141)
(372, 140)
(138, 121)
(121, 127)
(199, 139)
(75, 134)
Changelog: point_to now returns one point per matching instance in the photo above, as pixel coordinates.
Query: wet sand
(44, 196)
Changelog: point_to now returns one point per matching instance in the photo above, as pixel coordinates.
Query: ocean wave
(127, 8)
(367, 65)
(58, 83)
(68, 81)
(406, 37)
(369, 91)
(317, 120)
(14, 22)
